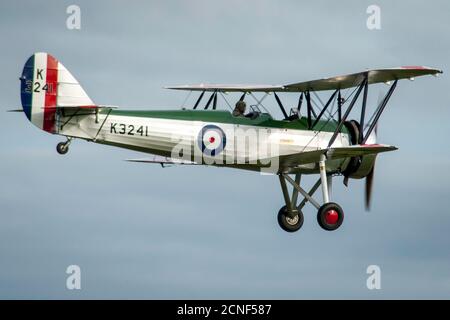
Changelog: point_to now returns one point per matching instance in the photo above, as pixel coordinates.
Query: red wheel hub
(331, 216)
(212, 139)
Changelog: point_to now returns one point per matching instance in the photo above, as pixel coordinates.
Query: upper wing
(292, 160)
(333, 83)
(229, 87)
(352, 80)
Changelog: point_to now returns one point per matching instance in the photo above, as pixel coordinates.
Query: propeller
(370, 176)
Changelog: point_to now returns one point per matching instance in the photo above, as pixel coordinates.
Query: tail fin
(45, 85)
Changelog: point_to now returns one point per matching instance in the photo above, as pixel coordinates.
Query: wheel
(330, 216)
(287, 223)
(62, 148)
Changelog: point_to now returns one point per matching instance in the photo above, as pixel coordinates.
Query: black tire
(62, 148)
(330, 216)
(289, 224)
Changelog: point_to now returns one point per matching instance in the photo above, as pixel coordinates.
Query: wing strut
(210, 100)
(215, 101)
(347, 112)
(308, 108)
(280, 105)
(339, 106)
(300, 101)
(379, 112)
(363, 113)
(199, 99)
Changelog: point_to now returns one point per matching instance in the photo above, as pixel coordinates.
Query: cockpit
(240, 110)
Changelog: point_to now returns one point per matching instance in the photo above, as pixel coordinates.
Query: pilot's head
(241, 105)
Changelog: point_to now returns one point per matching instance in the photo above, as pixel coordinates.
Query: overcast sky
(140, 231)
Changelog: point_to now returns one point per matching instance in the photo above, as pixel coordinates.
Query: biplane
(314, 137)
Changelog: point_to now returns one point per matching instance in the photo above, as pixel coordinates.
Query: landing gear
(290, 223)
(290, 217)
(63, 147)
(330, 216)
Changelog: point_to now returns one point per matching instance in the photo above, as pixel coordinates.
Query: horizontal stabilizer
(90, 107)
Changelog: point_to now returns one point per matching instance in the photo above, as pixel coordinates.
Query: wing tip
(376, 145)
(424, 68)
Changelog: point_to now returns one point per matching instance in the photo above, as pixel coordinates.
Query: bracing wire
(186, 99)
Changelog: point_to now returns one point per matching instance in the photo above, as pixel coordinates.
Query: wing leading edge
(296, 159)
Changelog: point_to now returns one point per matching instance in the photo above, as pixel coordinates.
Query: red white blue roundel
(211, 140)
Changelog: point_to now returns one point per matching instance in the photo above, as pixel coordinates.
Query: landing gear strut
(63, 147)
(290, 217)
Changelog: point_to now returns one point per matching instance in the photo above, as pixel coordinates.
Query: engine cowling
(358, 167)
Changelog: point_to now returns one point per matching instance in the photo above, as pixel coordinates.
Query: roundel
(211, 140)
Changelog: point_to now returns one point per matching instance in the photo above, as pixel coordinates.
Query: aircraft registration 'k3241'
(324, 141)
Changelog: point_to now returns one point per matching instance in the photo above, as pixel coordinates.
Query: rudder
(45, 85)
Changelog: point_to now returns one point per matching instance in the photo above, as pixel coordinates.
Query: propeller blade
(370, 176)
(346, 181)
(369, 185)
